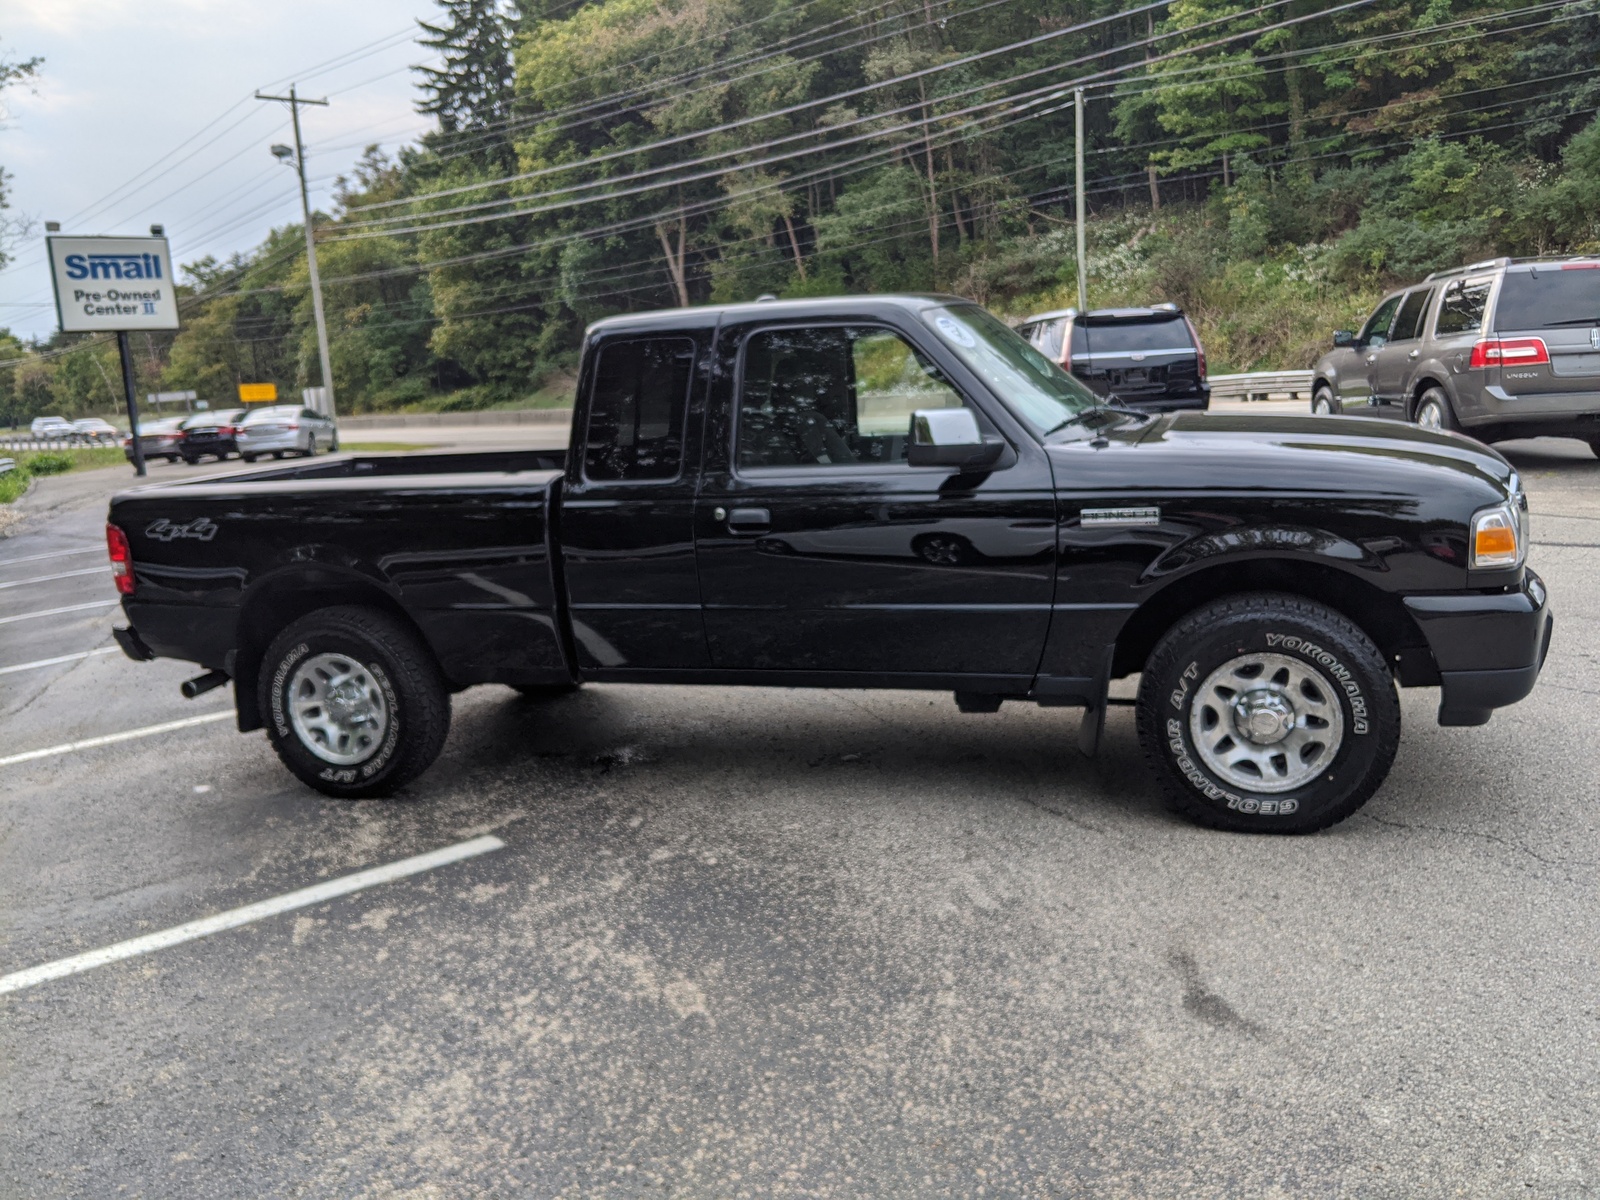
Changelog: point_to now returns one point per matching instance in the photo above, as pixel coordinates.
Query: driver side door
(822, 552)
(1355, 375)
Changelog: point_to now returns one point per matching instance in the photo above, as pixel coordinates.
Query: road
(771, 942)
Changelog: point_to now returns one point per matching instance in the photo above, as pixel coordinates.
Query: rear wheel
(1322, 402)
(249, 458)
(355, 704)
(1268, 713)
(1594, 446)
(311, 446)
(1434, 411)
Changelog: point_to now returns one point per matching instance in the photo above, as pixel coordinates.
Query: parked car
(1149, 358)
(735, 508)
(93, 429)
(1500, 349)
(284, 429)
(161, 438)
(51, 427)
(211, 433)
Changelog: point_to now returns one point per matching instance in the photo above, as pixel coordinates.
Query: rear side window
(1461, 309)
(636, 411)
(1049, 343)
(1548, 298)
(1409, 323)
(1130, 337)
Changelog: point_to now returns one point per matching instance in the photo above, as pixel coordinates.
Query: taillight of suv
(1199, 350)
(121, 560)
(1509, 352)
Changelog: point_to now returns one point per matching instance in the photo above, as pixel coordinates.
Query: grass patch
(53, 462)
(375, 447)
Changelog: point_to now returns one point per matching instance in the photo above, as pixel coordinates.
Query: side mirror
(950, 437)
(1343, 337)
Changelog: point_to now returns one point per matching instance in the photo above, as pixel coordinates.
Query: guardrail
(1262, 385)
(24, 442)
(7, 465)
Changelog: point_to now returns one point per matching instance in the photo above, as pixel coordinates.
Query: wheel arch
(1423, 382)
(1381, 615)
(284, 598)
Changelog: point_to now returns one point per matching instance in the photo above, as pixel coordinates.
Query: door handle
(750, 519)
(1415, 354)
(1371, 358)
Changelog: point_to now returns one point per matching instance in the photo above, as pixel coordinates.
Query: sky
(143, 112)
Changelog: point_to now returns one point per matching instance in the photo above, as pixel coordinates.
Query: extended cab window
(1461, 308)
(839, 396)
(641, 392)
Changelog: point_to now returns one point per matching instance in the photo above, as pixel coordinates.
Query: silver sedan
(285, 430)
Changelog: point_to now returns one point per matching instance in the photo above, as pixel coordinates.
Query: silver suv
(1501, 349)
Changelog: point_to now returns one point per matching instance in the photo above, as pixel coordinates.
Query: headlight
(1497, 536)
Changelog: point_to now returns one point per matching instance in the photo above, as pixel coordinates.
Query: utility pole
(283, 153)
(1077, 154)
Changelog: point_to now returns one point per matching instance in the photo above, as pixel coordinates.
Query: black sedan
(211, 433)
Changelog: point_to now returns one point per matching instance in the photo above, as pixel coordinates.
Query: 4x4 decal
(201, 529)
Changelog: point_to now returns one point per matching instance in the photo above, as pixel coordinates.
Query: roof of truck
(711, 315)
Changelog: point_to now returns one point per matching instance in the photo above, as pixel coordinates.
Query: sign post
(115, 285)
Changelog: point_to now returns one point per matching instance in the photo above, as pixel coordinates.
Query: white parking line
(56, 612)
(6, 562)
(110, 739)
(60, 658)
(236, 917)
(47, 578)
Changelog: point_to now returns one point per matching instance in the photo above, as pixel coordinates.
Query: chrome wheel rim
(1428, 416)
(1266, 722)
(1322, 407)
(337, 709)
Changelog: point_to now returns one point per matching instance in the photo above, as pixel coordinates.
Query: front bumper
(1489, 646)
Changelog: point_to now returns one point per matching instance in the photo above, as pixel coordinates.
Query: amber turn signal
(1495, 541)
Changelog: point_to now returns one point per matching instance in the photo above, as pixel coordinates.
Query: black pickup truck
(883, 492)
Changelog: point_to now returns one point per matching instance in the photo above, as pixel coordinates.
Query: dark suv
(1501, 349)
(1149, 358)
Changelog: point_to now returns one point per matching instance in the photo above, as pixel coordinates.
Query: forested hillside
(1268, 167)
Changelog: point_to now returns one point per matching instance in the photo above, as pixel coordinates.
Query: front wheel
(1268, 713)
(355, 704)
(1434, 411)
(1322, 403)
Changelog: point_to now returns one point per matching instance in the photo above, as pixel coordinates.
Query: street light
(295, 156)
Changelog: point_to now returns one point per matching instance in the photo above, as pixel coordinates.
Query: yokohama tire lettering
(1341, 674)
(278, 679)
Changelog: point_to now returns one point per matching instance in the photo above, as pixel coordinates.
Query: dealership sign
(110, 284)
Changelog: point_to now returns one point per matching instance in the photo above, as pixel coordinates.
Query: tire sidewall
(1435, 396)
(283, 657)
(1363, 701)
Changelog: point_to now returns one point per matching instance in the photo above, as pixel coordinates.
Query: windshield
(1033, 387)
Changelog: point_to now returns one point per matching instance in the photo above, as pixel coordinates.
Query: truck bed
(455, 543)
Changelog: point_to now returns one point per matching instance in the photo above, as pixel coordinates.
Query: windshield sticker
(956, 332)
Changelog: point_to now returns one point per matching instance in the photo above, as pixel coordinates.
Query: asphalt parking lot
(771, 942)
